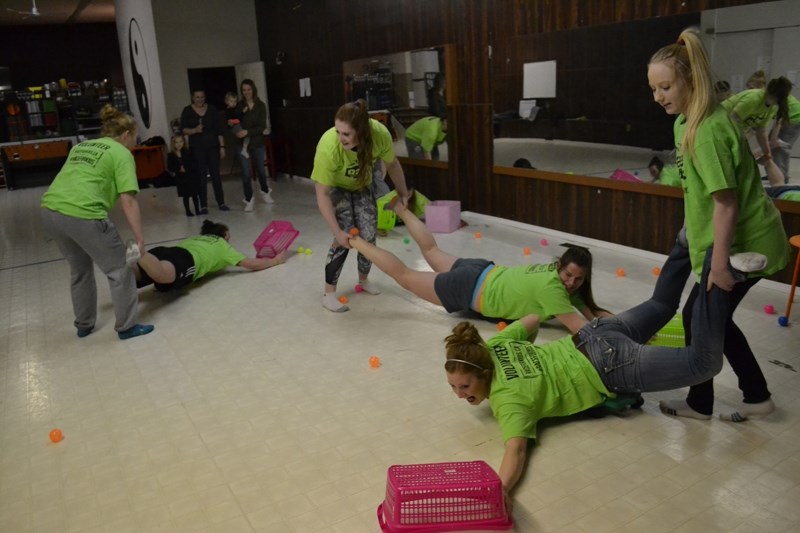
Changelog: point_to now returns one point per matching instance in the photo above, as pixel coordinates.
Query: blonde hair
(757, 80)
(467, 353)
(115, 122)
(357, 115)
(172, 142)
(690, 63)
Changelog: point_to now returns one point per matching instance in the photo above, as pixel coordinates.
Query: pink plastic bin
(275, 238)
(443, 216)
(621, 175)
(443, 497)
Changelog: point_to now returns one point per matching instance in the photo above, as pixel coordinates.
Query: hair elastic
(465, 362)
(681, 42)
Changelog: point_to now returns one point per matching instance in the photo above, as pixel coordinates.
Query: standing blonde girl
(726, 210)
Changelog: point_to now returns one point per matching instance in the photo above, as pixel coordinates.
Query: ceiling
(19, 12)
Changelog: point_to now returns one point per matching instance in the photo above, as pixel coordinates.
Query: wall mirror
(602, 117)
(402, 89)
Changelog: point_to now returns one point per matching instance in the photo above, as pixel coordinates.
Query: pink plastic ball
(543, 242)
(359, 288)
(769, 309)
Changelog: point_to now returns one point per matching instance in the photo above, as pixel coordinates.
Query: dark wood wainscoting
(642, 216)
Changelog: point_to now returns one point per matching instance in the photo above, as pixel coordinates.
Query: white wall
(195, 34)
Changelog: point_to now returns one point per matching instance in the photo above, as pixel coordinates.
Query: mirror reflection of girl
(343, 173)
(784, 133)
(753, 109)
(548, 290)
(181, 166)
(726, 211)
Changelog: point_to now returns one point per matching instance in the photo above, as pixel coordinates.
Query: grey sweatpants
(85, 243)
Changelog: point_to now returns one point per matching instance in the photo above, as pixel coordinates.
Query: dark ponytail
(213, 228)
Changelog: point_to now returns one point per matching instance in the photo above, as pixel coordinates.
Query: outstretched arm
(574, 321)
(325, 205)
(261, 263)
(395, 172)
(511, 467)
(531, 323)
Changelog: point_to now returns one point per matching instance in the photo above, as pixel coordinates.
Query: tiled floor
(251, 408)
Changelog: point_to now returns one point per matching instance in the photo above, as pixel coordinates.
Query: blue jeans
(615, 346)
(257, 156)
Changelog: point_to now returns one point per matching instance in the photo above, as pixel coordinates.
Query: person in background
(757, 80)
(784, 134)
(523, 163)
(424, 136)
(726, 211)
(254, 123)
(663, 174)
(723, 90)
(172, 267)
(201, 122)
(754, 108)
(181, 167)
(345, 157)
(437, 106)
(97, 174)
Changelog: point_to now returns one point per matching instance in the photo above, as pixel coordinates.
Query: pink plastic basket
(621, 175)
(275, 238)
(443, 497)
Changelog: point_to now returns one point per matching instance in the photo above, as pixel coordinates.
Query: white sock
(332, 303)
(680, 408)
(369, 288)
(746, 410)
(748, 262)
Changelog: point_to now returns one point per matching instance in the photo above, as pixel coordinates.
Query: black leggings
(353, 210)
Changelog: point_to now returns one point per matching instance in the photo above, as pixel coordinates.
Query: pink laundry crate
(621, 175)
(443, 216)
(275, 238)
(439, 497)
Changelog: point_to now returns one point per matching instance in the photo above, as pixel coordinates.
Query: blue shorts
(455, 288)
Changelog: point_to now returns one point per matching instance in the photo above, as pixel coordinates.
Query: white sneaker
(132, 253)
(245, 154)
(748, 261)
(267, 197)
(248, 206)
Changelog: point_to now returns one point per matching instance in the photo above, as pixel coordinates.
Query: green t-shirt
(751, 108)
(337, 167)
(427, 132)
(210, 253)
(90, 182)
(531, 382)
(670, 176)
(794, 110)
(518, 291)
(723, 161)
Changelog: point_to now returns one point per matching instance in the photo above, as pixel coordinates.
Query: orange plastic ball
(526, 251)
(56, 435)
(656, 271)
(374, 361)
(501, 326)
(477, 234)
(353, 231)
(343, 299)
(620, 272)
